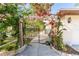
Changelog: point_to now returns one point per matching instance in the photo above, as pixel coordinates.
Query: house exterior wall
(71, 35)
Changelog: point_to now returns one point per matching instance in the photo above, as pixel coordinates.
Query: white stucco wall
(71, 35)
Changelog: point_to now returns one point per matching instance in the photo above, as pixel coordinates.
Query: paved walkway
(37, 49)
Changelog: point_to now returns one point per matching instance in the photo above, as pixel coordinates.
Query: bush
(28, 41)
(35, 24)
(9, 47)
(40, 24)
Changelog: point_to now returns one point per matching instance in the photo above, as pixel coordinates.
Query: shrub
(9, 47)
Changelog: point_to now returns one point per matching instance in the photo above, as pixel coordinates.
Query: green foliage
(8, 18)
(59, 41)
(35, 24)
(11, 16)
(28, 41)
(58, 38)
(40, 24)
(24, 10)
(32, 29)
(9, 47)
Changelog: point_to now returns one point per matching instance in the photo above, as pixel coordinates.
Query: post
(38, 35)
(21, 43)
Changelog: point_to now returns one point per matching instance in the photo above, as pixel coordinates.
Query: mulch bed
(71, 50)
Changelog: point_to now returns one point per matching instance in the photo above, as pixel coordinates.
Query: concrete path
(37, 49)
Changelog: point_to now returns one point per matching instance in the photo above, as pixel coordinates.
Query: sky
(57, 6)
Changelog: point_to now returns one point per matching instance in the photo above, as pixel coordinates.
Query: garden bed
(70, 50)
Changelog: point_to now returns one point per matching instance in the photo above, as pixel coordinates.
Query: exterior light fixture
(69, 20)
